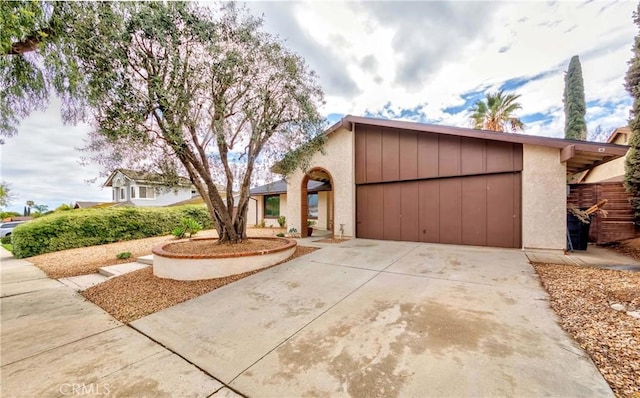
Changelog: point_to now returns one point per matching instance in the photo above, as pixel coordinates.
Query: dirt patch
(582, 298)
(331, 240)
(212, 247)
(630, 247)
(87, 260)
(140, 293)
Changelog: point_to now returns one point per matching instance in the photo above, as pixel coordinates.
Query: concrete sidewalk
(383, 319)
(54, 343)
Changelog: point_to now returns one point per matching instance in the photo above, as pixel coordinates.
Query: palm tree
(496, 113)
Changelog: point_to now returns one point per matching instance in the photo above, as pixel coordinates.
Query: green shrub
(89, 227)
(282, 221)
(178, 232)
(6, 240)
(123, 255)
(280, 235)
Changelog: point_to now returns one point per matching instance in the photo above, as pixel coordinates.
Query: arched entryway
(318, 182)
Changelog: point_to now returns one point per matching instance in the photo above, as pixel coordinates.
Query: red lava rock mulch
(582, 298)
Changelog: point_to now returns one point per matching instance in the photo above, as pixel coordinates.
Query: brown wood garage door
(437, 188)
(476, 210)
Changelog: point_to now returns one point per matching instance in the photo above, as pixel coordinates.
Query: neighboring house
(407, 181)
(612, 171)
(146, 189)
(270, 202)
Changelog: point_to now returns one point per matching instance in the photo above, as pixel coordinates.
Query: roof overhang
(578, 155)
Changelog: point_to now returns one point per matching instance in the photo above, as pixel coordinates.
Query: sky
(422, 61)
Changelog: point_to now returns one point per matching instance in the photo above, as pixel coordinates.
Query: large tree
(497, 113)
(575, 108)
(632, 84)
(177, 88)
(38, 44)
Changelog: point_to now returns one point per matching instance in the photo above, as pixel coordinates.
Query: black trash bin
(578, 232)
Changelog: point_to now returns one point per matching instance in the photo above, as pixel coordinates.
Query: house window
(113, 195)
(121, 193)
(147, 193)
(312, 200)
(133, 192)
(271, 206)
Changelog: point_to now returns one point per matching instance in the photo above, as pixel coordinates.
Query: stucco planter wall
(191, 267)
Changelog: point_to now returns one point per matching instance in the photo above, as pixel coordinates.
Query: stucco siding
(270, 221)
(338, 160)
(544, 198)
(607, 171)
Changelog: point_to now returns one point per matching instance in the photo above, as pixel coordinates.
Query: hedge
(89, 227)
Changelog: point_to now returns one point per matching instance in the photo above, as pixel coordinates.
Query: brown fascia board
(580, 146)
(617, 131)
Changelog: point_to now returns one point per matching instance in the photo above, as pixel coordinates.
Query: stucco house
(408, 181)
(612, 171)
(145, 189)
(269, 202)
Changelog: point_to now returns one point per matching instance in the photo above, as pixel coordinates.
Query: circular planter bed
(196, 259)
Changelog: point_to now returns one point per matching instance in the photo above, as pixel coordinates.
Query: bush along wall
(89, 227)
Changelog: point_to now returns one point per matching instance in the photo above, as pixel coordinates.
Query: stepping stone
(119, 269)
(83, 282)
(145, 259)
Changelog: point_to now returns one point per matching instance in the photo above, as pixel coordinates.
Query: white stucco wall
(269, 222)
(338, 160)
(544, 199)
(607, 171)
(323, 210)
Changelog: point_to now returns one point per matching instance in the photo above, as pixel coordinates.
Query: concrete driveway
(369, 318)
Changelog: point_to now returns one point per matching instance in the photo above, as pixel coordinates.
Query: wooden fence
(619, 224)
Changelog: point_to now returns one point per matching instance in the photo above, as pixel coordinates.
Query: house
(269, 202)
(146, 189)
(605, 181)
(407, 181)
(612, 171)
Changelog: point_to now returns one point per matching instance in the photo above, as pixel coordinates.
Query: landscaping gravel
(596, 307)
(209, 247)
(87, 260)
(140, 293)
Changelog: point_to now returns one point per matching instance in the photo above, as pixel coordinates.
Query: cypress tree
(632, 84)
(575, 107)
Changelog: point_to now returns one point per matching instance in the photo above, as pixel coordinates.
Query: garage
(437, 188)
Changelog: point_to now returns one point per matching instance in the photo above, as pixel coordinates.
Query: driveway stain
(378, 365)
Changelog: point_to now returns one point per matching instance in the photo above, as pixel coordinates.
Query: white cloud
(421, 56)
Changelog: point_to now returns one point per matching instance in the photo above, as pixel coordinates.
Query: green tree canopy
(632, 84)
(5, 194)
(171, 87)
(39, 41)
(575, 108)
(497, 113)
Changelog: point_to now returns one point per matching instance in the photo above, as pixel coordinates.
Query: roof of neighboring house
(280, 186)
(620, 130)
(144, 177)
(193, 201)
(579, 155)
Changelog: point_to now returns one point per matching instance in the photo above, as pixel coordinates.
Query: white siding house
(145, 189)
